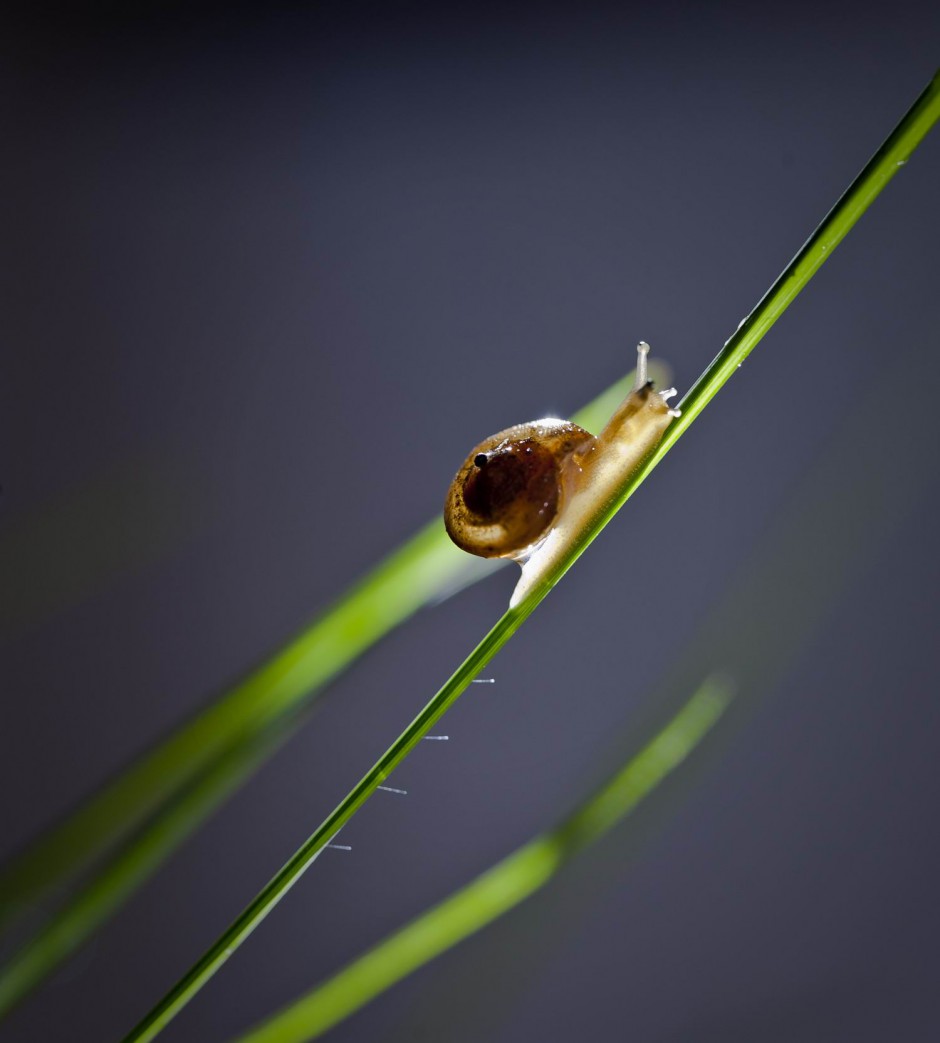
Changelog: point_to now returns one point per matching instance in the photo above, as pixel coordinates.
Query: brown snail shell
(512, 486)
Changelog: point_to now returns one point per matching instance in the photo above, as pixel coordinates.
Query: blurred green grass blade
(420, 572)
(127, 870)
(852, 204)
(178, 811)
(177, 784)
(502, 887)
(136, 822)
(408, 579)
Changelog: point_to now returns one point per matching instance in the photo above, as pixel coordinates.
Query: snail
(528, 493)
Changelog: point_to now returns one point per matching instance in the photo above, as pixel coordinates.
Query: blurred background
(268, 276)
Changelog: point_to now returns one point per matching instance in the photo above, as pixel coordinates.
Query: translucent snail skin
(529, 492)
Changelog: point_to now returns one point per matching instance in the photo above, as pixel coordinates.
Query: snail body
(530, 492)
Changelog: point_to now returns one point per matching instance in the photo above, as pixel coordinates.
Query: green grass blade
(855, 200)
(505, 885)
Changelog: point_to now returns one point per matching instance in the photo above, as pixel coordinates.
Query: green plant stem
(857, 198)
(505, 885)
(852, 204)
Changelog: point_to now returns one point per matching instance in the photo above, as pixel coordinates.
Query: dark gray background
(267, 278)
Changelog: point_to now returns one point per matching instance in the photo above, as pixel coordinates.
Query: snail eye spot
(480, 459)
